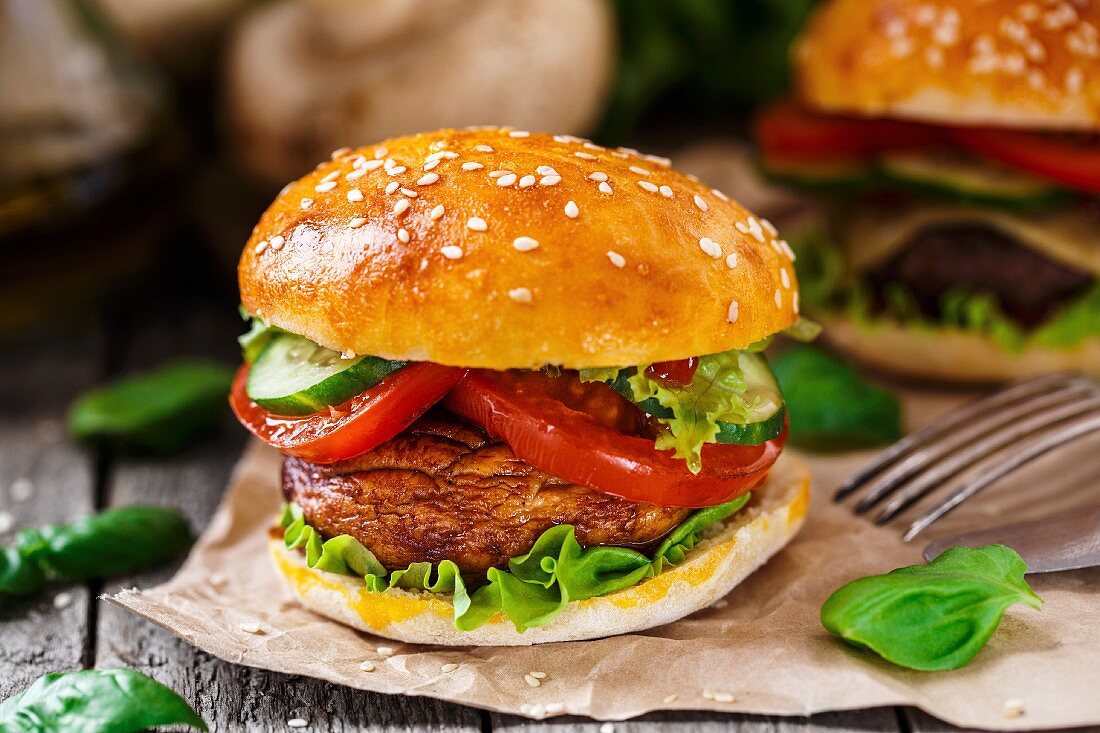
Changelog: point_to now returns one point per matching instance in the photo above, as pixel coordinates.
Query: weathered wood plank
(227, 696)
(879, 719)
(919, 721)
(44, 478)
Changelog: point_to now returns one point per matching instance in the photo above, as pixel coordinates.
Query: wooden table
(45, 478)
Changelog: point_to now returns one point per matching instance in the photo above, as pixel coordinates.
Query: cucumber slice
(763, 390)
(293, 376)
(966, 179)
(830, 176)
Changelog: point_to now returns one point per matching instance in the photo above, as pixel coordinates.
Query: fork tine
(1015, 393)
(959, 461)
(991, 475)
(920, 458)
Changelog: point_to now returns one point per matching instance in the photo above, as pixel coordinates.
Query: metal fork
(1031, 418)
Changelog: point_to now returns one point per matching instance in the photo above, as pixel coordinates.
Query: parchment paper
(763, 651)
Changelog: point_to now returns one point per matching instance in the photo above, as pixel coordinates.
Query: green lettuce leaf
(536, 586)
(1076, 322)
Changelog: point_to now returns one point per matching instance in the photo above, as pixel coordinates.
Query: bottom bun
(950, 355)
(728, 554)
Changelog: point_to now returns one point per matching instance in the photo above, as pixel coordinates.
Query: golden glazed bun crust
(948, 355)
(1001, 62)
(717, 564)
(621, 274)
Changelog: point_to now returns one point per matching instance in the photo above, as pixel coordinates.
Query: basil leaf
(935, 616)
(115, 542)
(96, 701)
(156, 412)
(830, 405)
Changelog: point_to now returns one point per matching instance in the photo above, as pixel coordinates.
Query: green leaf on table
(156, 412)
(114, 542)
(931, 617)
(831, 406)
(95, 701)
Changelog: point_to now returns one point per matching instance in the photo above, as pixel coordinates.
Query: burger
(518, 383)
(954, 145)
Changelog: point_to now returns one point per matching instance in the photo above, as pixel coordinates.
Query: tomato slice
(1057, 157)
(521, 409)
(786, 131)
(361, 423)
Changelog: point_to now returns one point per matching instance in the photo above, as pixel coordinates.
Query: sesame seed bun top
(499, 248)
(1000, 62)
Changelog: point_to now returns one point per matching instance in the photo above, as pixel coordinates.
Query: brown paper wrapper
(763, 650)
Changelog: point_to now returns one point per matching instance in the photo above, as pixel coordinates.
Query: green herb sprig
(95, 701)
(115, 542)
(931, 617)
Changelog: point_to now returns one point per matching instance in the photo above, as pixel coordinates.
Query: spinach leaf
(95, 701)
(830, 405)
(115, 542)
(157, 412)
(935, 616)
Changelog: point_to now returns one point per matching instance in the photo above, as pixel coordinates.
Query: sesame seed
(277, 242)
(669, 699)
(538, 675)
(397, 170)
(449, 667)
(525, 244)
(584, 156)
(437, 212)
(371, 165)
(666, 191)
(357, 222)
(339, 152)
(306, 203)
(592, 146)
(597, 176)
(778, 298)
(794, 301)
(546, 170)
(731, 260)
(7, 521)
(331, 177)
(562, 138)
(297, 723)
(410, 193)
(356, 174)
(648, 186)
(527, 181)
(261, 247)
(472, 166)
(401, 207)
(498, 173)
(550, 180)
(571, 209)
(392, 186)
(719, 194)
(451, 252)
(605, 187)
(427, 179)
(538, 710)
(521, 295)
(701, 203)
(476, 224)
(62, 601)
(1013, 708)
(403, 235)
(355, 195)
(483, 148)
(431, 164)
(385, 651)
(769, 227)
(367, 666)
(732, 313)
(531, 681)
(787, 249)
(506, 180)
(639, 170)
(785, 278)
(723, 697)
(519, 133)
(380, 152)
(249, 627)
(711, 247)
(607, 728)
(616, 259)
(663, 162)
(325, 187)
(555, 707)
(447, 154)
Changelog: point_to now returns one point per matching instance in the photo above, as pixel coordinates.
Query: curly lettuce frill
(536, 586)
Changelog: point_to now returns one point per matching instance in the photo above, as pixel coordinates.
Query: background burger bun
(713, 568)
(950, 355)
(500, 249)
(1001, 62)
